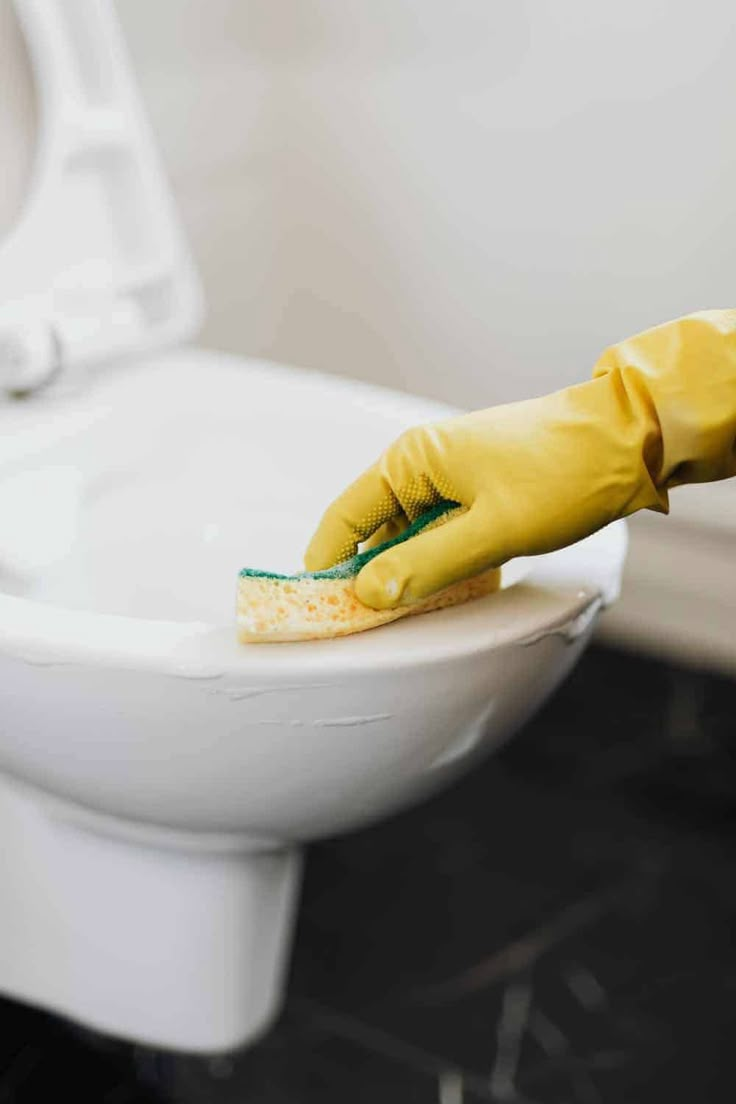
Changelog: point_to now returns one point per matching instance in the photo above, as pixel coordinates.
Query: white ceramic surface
(137, 734)
(185, 470)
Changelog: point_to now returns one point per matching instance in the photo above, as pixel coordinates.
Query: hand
(535, 476)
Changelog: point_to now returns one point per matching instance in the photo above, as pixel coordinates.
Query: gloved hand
(537, 475)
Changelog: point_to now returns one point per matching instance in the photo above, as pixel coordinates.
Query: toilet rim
(553, 596)
(52, 636)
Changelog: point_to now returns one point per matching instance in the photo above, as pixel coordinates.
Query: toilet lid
(97, 264)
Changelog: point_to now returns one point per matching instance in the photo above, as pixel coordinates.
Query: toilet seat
(96, 267)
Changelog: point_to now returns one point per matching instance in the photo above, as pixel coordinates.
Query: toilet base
(178, 948)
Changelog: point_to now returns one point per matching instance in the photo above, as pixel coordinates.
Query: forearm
(679, 384)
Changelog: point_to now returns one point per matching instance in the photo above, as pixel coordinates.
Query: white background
(466, 198)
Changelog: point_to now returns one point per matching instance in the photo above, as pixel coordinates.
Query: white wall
(468, 198)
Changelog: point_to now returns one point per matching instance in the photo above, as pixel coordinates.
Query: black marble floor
(559, 928)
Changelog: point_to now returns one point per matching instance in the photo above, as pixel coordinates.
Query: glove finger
(355, 515)
(427, 563)
(390, 531)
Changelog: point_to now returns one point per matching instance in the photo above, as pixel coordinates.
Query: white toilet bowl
(157, 777)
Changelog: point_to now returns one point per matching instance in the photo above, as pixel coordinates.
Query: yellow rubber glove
(536, 476)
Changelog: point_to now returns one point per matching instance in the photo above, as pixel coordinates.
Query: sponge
(320, 605)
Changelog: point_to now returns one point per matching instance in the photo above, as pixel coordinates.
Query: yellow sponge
(322, 604)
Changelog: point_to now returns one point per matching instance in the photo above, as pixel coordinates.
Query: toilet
(157, 780)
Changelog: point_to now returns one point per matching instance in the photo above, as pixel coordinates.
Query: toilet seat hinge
(32, 355)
